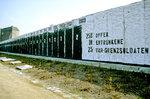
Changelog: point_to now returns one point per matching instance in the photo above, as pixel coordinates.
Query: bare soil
(13, 86)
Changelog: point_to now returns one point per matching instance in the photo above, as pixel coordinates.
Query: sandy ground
(13, 86)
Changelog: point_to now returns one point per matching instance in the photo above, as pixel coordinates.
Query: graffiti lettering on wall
(123, 50)
(99, 43)
(109, 42)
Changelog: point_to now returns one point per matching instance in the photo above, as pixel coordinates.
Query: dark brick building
(8, 32)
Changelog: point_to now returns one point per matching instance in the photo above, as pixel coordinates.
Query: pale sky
(32, 15)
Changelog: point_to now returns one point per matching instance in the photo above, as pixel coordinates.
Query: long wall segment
(116, 35)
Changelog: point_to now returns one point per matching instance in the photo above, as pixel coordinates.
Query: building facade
(8, 33)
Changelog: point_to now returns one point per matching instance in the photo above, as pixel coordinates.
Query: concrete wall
(118, 35)
(115, 35)
(87, 30)
(147, 28)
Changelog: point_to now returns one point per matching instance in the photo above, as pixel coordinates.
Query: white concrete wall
(87, 29)
(116, 31)
(147, 29)
(134, 31)
(100, 26)
(125, 23)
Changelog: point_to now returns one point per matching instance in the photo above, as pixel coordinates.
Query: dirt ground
(13, 86)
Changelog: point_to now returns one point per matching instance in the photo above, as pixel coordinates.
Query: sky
(32, 15)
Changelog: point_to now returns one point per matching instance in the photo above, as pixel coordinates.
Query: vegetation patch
(110, 80)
